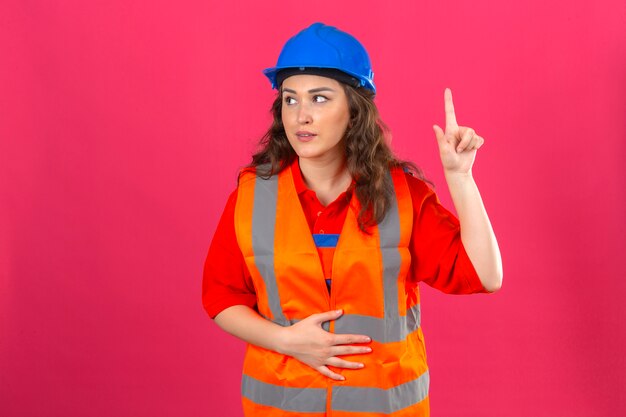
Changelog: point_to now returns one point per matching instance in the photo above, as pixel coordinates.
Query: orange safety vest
(368, 283)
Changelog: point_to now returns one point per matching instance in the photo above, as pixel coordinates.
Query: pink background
(123, 125)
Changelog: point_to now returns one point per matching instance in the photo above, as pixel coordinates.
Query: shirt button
(321, 232)
(319, 213)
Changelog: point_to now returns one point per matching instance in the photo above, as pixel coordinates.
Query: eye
(287, 100)
(319, 99)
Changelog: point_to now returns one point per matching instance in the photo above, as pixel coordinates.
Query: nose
(304, 114)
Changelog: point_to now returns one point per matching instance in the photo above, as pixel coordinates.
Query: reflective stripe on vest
(263, 225)
(376, 400)
(313, 400)
(368, 283)
(303, 400)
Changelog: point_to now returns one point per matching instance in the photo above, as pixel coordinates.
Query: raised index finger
(449, 106)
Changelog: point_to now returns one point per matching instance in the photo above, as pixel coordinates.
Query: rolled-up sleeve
(226, 280)
(438, 256)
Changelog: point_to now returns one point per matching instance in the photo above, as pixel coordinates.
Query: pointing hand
(458, 144)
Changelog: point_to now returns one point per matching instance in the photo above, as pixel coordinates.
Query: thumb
(320, 318)
(438, 133)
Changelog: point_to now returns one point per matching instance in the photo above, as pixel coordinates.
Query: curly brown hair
(368, 154)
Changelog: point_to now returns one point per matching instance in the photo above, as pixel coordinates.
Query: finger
(449, 107)
(342, 363)
(320, 318)
(349, 350)
(349, 339)
(474, 143)
(439, 134)
(479, 142)
(470, 146)
(330, 374)
(467, 134)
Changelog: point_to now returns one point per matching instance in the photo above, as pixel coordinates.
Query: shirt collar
(297, 177)
(299, 181)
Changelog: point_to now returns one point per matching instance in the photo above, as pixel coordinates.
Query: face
(315, 115)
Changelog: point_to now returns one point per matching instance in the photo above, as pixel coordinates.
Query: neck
(328, 174)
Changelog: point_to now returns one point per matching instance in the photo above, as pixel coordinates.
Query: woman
(318, 255)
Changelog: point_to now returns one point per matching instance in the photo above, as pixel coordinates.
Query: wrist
(281, 340)
(458, 176)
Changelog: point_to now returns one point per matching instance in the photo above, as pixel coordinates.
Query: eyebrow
(314, 90)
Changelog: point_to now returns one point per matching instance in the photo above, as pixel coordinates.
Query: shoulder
(246, 174)
(263, 171)
(416, 185)
(229, 207)
(420, 190)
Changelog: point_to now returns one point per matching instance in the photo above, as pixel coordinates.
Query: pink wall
(123, 124)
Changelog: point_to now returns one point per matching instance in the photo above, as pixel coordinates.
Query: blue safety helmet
(324, 47)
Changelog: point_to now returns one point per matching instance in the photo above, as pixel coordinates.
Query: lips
(305, 136)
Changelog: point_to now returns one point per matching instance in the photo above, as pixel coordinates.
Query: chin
(306, 153)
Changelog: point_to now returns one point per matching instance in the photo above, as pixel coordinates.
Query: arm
(457, 147)
(476, 231)
(306, 340)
